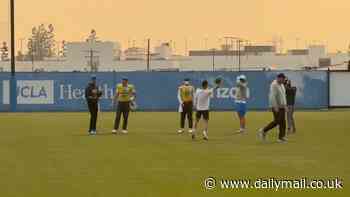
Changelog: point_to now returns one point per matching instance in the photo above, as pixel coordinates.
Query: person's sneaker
(205, 135)
(180, 131)
(114, 131)
(193, 136)
(282, 140)
(125, 131)
(261, 135)
(240, 131)
(190, 130)
(92, 132)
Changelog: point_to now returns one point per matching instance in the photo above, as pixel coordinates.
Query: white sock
(205, 133)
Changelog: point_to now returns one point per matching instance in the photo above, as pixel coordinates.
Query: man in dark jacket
(290, 94)
(92, 95)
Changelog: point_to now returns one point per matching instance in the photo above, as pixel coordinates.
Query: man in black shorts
(125, 94)
(185, 97)
(202, 103)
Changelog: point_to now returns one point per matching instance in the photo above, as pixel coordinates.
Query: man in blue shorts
(241, 97)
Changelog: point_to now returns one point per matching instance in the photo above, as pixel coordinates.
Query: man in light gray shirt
(278, 103)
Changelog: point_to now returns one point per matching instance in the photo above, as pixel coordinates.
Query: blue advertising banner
(156, 91)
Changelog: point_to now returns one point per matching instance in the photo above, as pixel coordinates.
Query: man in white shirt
(202, 103)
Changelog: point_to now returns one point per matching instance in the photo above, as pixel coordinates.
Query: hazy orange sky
(323, 21)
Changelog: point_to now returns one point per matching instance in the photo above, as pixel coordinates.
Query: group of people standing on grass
(281, 98)
(124, 98)
(199, 99)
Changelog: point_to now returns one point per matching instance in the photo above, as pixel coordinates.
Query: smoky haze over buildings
(200, 23)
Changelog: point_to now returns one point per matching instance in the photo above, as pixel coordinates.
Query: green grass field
(50, 154)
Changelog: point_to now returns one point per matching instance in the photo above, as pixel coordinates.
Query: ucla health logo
(30, 92)
(35, 92)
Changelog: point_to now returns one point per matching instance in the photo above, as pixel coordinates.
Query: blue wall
(155, 90)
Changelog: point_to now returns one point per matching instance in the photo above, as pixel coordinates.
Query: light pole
(238, 46)
(213, 54)
(32, 53)
(91, 63)
(239, 41)
(232, 39)
(13, 83)
(12, 18)
(148, 54)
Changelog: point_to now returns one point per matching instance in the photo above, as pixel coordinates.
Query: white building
(162, 52)
(134, 53)
(107, 56)
(258, 57)
(102, 54)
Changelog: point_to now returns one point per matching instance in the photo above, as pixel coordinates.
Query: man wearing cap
(241, 96)
(277, 98)
(185, 95)
(92, 95)
(125, 93)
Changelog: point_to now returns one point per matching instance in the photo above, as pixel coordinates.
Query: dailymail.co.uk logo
(30, 92)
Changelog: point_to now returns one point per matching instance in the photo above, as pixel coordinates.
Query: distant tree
(92, 37)
(41, 43)
(4, 52)
(50, 41)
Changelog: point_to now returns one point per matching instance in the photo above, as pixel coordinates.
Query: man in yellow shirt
(125, 93)
(185, 96)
